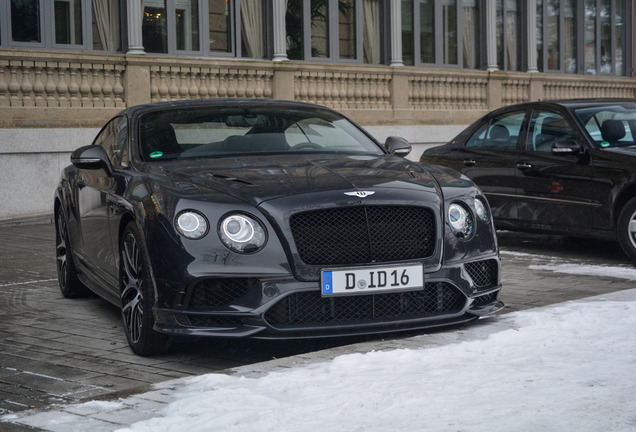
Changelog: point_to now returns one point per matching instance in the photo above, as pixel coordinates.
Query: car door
(93, 190)
(489, 158)
(554, 190)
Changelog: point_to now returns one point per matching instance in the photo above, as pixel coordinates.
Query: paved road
(55, 350)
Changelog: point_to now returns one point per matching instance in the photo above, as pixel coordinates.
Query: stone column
(531, 19)
(135, 20)
(491, 36)
(396, 33)
(280, 33)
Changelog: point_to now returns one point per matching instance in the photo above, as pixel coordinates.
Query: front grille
(483, 273)
(218, 293)
(215, 322)
(308, 308)
(486, 299)
(363, 234)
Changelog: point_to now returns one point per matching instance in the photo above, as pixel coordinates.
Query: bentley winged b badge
(360, 194)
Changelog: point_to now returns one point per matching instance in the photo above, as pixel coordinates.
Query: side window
(113, 138)
(502, 133)
(546, 128)
(608, 128)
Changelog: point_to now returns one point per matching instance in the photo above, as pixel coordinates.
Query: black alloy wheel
(70, 285)
(627, 229)
(137, 296)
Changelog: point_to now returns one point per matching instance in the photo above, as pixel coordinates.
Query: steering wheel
(307, 146)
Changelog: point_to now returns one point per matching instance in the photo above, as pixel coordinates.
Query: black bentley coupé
(268, 219)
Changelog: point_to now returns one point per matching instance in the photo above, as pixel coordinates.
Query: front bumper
(283, 307)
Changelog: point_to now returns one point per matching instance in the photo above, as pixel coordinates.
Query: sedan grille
(307, 308)
(483, 273)
(364, 234)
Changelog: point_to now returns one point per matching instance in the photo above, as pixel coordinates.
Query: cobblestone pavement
(60, 351)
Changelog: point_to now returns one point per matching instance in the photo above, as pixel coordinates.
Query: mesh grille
(216, 322)
(357, 235)
(308, 308)
(485, 299)
(483, 273)
(216, 293)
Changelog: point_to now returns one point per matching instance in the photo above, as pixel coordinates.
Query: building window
(586, 37)
(155, 27)
(220, 24)
(61, 24)
(442, 33)
(509, 31)
(235, 28)
(253, 29)
(105, 25)
(68, 22)
(26, 22)
(336, 30)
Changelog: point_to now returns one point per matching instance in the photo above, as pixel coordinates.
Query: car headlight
(242, 233)
(481, 208)
(460, 220)
(191, 224)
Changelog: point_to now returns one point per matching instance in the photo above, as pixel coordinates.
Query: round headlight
(191, 224)
(481, 208)
(242, 233)
(460, 220)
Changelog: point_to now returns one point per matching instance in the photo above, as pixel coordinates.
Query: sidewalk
(121, 413)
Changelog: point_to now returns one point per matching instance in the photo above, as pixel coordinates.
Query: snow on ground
(563, 368)
(568, 367)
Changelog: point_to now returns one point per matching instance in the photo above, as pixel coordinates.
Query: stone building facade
(421, 69)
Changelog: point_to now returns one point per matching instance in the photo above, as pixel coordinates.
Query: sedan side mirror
(567, 147)
(397, 146)
(92, 157)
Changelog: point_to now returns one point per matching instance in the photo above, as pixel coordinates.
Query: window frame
(333, 33)
(47, 29)
(438, 32)
(580, 46)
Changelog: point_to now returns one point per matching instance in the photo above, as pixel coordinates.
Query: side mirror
(567, 147)
(92, 157)
(397, 146)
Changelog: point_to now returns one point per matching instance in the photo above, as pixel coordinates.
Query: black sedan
(565, 167)
(268, 219)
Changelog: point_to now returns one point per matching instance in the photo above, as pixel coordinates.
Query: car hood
(256, 179)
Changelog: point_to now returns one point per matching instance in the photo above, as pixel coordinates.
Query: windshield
(610, 125)
(215, 132)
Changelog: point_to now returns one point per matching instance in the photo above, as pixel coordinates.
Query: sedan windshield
(216, 132)
(610, 125)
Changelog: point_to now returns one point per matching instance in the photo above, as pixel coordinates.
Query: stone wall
(54, 102)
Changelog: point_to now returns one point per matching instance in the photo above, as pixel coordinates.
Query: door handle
(469, 162)
(524, 165)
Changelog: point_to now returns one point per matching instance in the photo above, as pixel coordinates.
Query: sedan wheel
(627, 229)
(137, 296)
(70, 284)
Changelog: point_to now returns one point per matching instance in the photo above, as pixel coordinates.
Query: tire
(137, 296)
(626, 229)
(70, 285)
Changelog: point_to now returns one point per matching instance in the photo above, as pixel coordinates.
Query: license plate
(370, 280)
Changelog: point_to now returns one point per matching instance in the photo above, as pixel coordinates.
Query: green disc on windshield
(155, 155)
(605, 144)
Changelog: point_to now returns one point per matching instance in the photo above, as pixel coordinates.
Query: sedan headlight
(460, 220)
(242, 233)
(191, 224)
